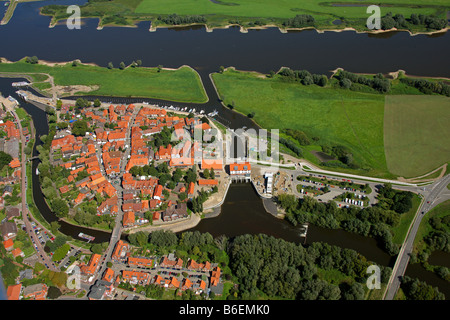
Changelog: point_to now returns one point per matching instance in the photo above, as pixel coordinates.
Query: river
(259, 50)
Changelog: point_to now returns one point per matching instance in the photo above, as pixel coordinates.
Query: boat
(214, 113)
(86, 237)
(37, 171)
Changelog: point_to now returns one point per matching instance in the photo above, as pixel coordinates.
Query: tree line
(347, 79)
(427, 86)
(304, 77)
(174, 19)
(299, 21)
(389, 21)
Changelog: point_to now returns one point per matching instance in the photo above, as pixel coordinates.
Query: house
(199, 286)
(36, 292)
(192, 265)
(15, 163)
(186, 284)
(140, 262)
(100, 290)
(12, 212)
(191, 189)
(158, 192)
(120, 251)
(17, 252)
(14, 292)
(8, 230)
(169, 263)
(108, 275)
(64, 189)
(8, 244)
(208, 182)
(209, 164)
(174, 283)
(175, 211)
(91, 267)
(240, 168)
(128, 219)
(136, 277)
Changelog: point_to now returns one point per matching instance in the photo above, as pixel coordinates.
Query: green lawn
(416, 133)
(183, 84)
(405, 221)
(336, 116)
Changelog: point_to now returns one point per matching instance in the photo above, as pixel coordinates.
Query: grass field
(416, 133)
(219, 13)
(405, 221)
(183, 84)
(336, 116)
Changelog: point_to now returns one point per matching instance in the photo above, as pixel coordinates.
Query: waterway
(261, 50)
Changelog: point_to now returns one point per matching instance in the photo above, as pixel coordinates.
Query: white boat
(37, 171)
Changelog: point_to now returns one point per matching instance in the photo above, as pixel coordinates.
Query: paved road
(117, 231)
(29, 228)
(433, 195)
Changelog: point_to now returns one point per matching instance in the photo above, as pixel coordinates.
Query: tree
(75, 63)
(110, 65)
(79, 128)
(5, 158)
(159, 68)
(206, 174)
(345, 83)
(32, 60)
(122, 65)
(60, 207)
(221, 69)
(97, 103)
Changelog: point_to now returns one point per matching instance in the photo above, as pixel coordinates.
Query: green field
(416, 133)
(183, 84)
(401, 230)
(269, 12)
(336, 116)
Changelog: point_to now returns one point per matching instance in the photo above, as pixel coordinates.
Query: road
(433, 195)
(117, 231)
(29, 228)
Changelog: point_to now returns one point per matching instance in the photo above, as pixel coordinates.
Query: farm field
(183, 84)
(336, 116)
(416, 133)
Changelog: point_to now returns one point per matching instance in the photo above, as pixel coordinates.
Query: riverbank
(247, 15)
(181, 85)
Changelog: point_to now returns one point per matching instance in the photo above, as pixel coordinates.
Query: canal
(27, 34)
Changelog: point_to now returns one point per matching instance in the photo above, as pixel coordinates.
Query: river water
(260, 50)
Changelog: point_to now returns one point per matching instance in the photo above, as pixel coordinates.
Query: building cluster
(170, 273)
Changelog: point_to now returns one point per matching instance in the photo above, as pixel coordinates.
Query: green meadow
(183, 84)
(336, 116)
(389, 135)
(416, 133)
